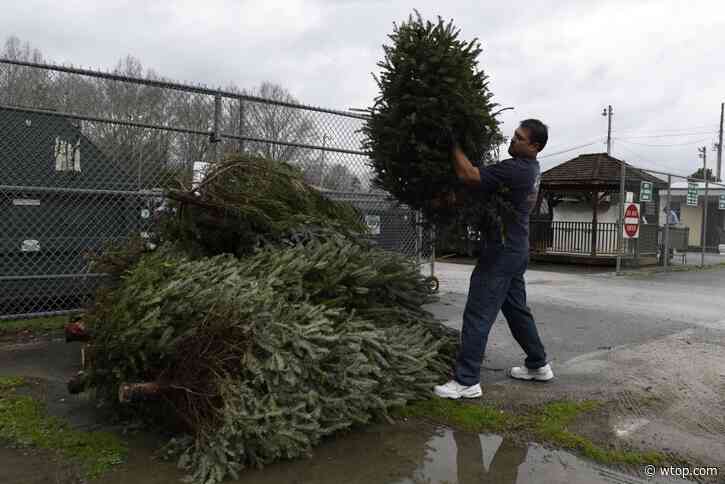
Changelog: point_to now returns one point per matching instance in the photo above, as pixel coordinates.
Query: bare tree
(339, 178)
(24, 86)
(193, 111)
(279, 123)
(141, 153)
(283, 126)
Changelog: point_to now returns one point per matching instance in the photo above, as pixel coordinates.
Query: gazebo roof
(595, 170)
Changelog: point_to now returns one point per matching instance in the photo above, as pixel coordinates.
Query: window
(67, 155)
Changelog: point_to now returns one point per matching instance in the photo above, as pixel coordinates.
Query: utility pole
(608, 112)
(703, 228)
(719, 144)
(702, 153)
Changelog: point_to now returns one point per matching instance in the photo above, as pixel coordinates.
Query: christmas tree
(432, 94)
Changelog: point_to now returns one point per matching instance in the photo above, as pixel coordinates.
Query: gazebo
(577, 216)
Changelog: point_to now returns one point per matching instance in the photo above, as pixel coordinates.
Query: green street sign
(692, 194)
(645, 192)
(721, 205)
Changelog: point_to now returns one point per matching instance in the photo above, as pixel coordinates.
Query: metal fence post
(217, 124)
(138, 222)
(241, 125)
(140, 155)
(667, 225)
(418, 238)
(703, 239)
(432, 251)
(622, 193)
(323, 158)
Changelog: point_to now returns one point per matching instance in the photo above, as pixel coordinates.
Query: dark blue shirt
(522, 178)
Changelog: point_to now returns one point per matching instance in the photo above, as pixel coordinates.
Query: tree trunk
(136, 392)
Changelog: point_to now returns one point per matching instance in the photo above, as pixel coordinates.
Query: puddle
(405, 453)
(398, 454)
(419, 454)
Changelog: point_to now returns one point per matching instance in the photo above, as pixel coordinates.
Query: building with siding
(576, 218)
(692, 216)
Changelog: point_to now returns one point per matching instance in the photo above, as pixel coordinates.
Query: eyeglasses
(518, 137)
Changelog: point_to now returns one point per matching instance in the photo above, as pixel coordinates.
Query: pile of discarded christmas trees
(260, 322)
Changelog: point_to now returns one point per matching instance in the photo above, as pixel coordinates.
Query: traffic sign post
(631, 221)
(645, 192)
(692, 194)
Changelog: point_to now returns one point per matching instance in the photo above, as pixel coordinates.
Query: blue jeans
(497, 283)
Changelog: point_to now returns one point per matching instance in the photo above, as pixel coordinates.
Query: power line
(641, 158)
(669, 135)
(623, 140)
(563, 146)
(571, 149)
(651, 163)
(671, 130)
(662, 172)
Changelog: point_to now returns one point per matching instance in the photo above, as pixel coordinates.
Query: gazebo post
(595, 199)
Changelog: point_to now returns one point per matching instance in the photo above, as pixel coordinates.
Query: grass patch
(551, 426)
(24, 422)
(470, 417)
(547, 424)
(9, 383)
(50, 323)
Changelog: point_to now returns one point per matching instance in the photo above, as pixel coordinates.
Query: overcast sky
(660, 63)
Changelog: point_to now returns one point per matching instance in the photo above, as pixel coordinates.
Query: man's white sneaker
(540, 374)
(455, 390)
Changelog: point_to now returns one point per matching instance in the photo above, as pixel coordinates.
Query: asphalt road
(583, 312)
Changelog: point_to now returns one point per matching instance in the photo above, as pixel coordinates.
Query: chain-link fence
(84, 157)
(690, 215)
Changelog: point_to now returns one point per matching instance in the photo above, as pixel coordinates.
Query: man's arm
(465, 170)
(488, 179)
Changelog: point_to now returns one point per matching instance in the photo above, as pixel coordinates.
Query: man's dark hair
(538, 131)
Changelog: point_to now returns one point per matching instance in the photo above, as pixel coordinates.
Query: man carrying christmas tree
(497, 283)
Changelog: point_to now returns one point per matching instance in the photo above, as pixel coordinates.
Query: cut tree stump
(137, 392)
(76, 331)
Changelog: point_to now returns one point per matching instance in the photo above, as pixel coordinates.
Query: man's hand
(465, 170)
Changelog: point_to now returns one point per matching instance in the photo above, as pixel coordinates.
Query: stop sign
(631, 220)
